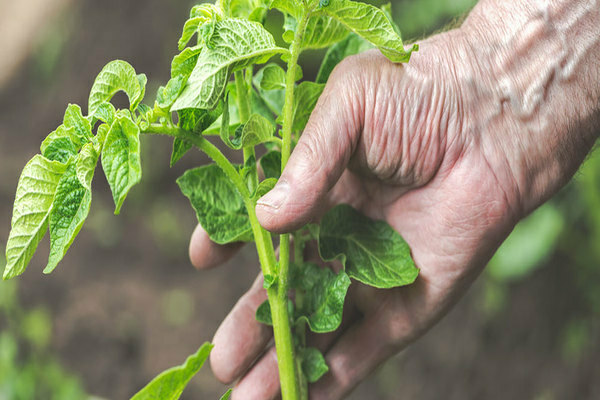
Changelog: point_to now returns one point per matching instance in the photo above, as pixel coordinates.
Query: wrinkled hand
(414, 145)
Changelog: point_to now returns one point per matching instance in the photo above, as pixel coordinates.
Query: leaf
(194, 120)
(106, 113)
(86, 165)
(257, 130)
(313, 364)
(271, 164)
(351, 45)
(371, 251)
(218, 205)
(115, 76)
(33, 202)
(323, 31)
(169, 385)
(274, 99)
(325, 292)
(60, 145)
(184, 62)
(227, 395)
(236, 45)
(273, 77)
(264, 187)
(372, 24)
(69, 210)
(82, 128)
(190, 28)
(121, 159)
(263, 313)
(305, 99)
(166, 96)
(142, 80)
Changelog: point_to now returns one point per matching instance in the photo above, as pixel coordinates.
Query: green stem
(291, 374)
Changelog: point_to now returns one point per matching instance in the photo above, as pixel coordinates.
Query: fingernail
(276, 197)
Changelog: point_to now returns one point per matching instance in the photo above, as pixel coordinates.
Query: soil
(126, 303)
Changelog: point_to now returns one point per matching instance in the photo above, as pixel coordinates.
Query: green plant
(54, 191)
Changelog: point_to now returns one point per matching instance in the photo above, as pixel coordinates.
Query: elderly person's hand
(483, 125)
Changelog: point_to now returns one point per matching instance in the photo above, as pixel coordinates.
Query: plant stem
(290, 373)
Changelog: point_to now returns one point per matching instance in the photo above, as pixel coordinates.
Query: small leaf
(218, 205)
(270, 164)
(169, 385)
(69, 210)
(115, 76)
(121, 159)
(33, 202)
(269, 281)
(194, 120)
(184, 62)
(190, 28)
(86, 165)
(325, 292)
(263, 313)
(305, 99)
(60, 145)
(351, 45)
(106, 113)
(142, 80)
(264, 187)
(236, 45)
(227, 395)
(313, 364)
(372, 251)
(81, 126)
(273, 77)
(273, 99)
(372, 24)
(323, 31)
(167, 95)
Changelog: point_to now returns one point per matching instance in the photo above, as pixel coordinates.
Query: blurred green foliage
(28, 369)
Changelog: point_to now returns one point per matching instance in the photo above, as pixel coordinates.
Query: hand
(423, 147)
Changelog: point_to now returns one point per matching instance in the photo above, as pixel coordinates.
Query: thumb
(319, 158)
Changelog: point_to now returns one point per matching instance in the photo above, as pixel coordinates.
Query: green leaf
(236, 45)
(69, 211)
(121, 159)
(82, 128)
(86, 165)
(184, 62)
(273, 77)
(33, 202)
(142, 80)
(60, 145)
(166, 96)
(372, 24)
(101, 135)
(197, 121)
(264, 187)
(351, 45)
(263, 313)
(372, 251)
(273, 99)
(116, 76)
(325, 292)
(257, 130)
(106, 113)
(323, 31)
(306, 96)
(218, 205)
(227, 395)
(270, 164)
(313, 364)
(169, 385)
(190, 29)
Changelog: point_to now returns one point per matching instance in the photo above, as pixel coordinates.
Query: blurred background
(126, 304)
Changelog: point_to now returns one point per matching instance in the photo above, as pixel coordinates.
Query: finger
(204, 253)
(241, 338)
(354, 356)
(320, 157)
(261, 382)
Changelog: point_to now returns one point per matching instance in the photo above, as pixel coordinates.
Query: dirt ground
(127, 304)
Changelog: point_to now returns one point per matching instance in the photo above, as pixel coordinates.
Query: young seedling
(266, 107)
